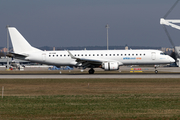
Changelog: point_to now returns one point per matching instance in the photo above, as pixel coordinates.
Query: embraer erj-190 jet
(105, 59)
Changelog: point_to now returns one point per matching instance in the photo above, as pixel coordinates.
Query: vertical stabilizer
(20, 45)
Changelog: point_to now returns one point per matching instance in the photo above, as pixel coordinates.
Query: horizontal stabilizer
(15, 55)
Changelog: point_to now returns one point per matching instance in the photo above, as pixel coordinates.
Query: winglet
(71, 55)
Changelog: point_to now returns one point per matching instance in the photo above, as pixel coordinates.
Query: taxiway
(77, 76)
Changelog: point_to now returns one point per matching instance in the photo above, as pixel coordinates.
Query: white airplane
(106, 59)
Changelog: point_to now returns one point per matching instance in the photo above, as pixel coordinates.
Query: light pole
(7, 48)
(107, 26)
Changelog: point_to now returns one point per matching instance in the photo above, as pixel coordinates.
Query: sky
(82, 22)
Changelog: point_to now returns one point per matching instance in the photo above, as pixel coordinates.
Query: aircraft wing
(88, 62)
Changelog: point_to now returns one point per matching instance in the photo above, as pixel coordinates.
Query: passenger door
(44, 57)
(153, 55)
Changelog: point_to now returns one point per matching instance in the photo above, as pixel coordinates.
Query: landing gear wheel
(156, 71)
(91, 71)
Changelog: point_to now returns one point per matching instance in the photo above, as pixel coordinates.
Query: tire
(156, 71)
(91, 71)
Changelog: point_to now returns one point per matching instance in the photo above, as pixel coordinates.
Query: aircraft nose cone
(171, 60)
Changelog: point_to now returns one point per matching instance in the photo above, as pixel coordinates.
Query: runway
(77, 76)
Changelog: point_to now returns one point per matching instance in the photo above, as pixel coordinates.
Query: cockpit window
(162, 53)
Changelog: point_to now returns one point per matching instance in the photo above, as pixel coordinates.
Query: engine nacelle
(108, 66)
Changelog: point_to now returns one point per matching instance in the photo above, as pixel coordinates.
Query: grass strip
(90, 99)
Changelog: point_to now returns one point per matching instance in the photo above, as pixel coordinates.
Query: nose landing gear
(156, 71)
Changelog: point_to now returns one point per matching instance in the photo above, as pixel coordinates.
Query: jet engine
(109, 66)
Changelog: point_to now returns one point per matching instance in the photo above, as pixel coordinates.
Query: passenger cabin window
(49, 55)
(101, 54)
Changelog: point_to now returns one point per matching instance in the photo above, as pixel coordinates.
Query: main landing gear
(91, 71)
